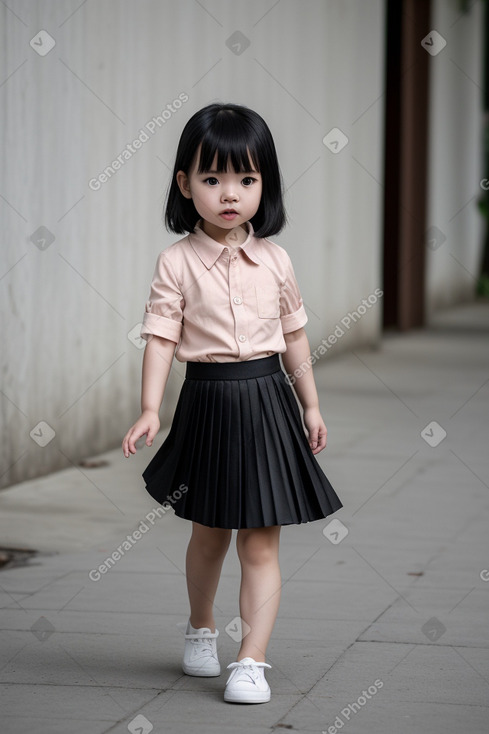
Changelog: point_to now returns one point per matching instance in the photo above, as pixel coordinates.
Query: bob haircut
(241, 138)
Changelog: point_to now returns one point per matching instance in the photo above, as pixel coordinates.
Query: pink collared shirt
(223, 303)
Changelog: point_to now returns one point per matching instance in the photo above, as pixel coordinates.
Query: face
(223, 200)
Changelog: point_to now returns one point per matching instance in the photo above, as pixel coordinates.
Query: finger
(313, 438)
(132, 440)
(322, 439)
(125, 449)
(151, 435)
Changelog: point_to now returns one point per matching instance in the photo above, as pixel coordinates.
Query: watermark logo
(140, 725)
(238, 43)
(433, 434)
(237, 628)
(42, 43)
(135, 337)
(335, 140)
(236, 236)
(433, 43)
(42, 238)
(42, 434)
(341, 328)
(96, 573)
(131, 148)
(335, 531)
(433, 629)
(350, 709)
(434, 238)
(42, 629)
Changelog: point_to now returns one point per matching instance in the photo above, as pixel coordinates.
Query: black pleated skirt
(237, 455)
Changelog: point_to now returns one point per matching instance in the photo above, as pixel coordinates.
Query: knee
(213, 545)
(256, 551)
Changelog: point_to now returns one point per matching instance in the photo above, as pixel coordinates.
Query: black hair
(239, 136)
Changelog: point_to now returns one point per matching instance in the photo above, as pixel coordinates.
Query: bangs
(233, 147)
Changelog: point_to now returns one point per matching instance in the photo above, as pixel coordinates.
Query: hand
(149, 424)
(316, 430)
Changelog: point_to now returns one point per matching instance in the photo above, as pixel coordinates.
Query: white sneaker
(247, 682)
(200, 654)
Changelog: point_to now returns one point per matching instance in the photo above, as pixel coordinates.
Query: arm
(157, 361)
(297, 352)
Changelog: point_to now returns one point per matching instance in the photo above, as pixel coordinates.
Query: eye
(248, 181)
(211, 180)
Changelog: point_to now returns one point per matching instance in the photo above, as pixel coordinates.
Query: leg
(261, 582)
(206, 551)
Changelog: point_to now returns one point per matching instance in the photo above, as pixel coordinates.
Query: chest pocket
(267, 302)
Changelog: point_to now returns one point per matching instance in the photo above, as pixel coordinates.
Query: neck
(221, 235)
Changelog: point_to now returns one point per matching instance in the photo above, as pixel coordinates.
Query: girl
(224, 299)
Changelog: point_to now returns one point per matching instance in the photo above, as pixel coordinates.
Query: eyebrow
(241, 172)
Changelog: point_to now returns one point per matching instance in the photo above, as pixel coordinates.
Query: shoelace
(248, 668)
(203, 643)
(240, 664)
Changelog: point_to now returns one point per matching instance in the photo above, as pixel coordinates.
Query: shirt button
(242, 338)
(237, 300)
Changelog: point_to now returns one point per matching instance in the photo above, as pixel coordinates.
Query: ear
(184, 184)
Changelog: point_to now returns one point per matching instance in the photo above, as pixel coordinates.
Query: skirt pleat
(237, 455)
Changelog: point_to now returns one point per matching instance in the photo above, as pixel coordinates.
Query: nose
(229, 195)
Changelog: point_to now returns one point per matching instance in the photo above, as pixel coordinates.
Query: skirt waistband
(233, 370)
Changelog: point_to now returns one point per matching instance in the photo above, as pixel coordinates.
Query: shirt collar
(208, 250)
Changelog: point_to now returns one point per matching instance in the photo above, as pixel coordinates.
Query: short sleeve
(292, 312)
(164, 309)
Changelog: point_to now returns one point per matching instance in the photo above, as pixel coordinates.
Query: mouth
(228, 214)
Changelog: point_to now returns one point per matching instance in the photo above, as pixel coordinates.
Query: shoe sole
(259, 697)
(201, 673)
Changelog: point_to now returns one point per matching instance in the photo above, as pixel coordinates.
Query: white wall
(455, 155)
(67, 310)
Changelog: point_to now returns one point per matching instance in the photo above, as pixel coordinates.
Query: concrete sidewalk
(383, 624)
